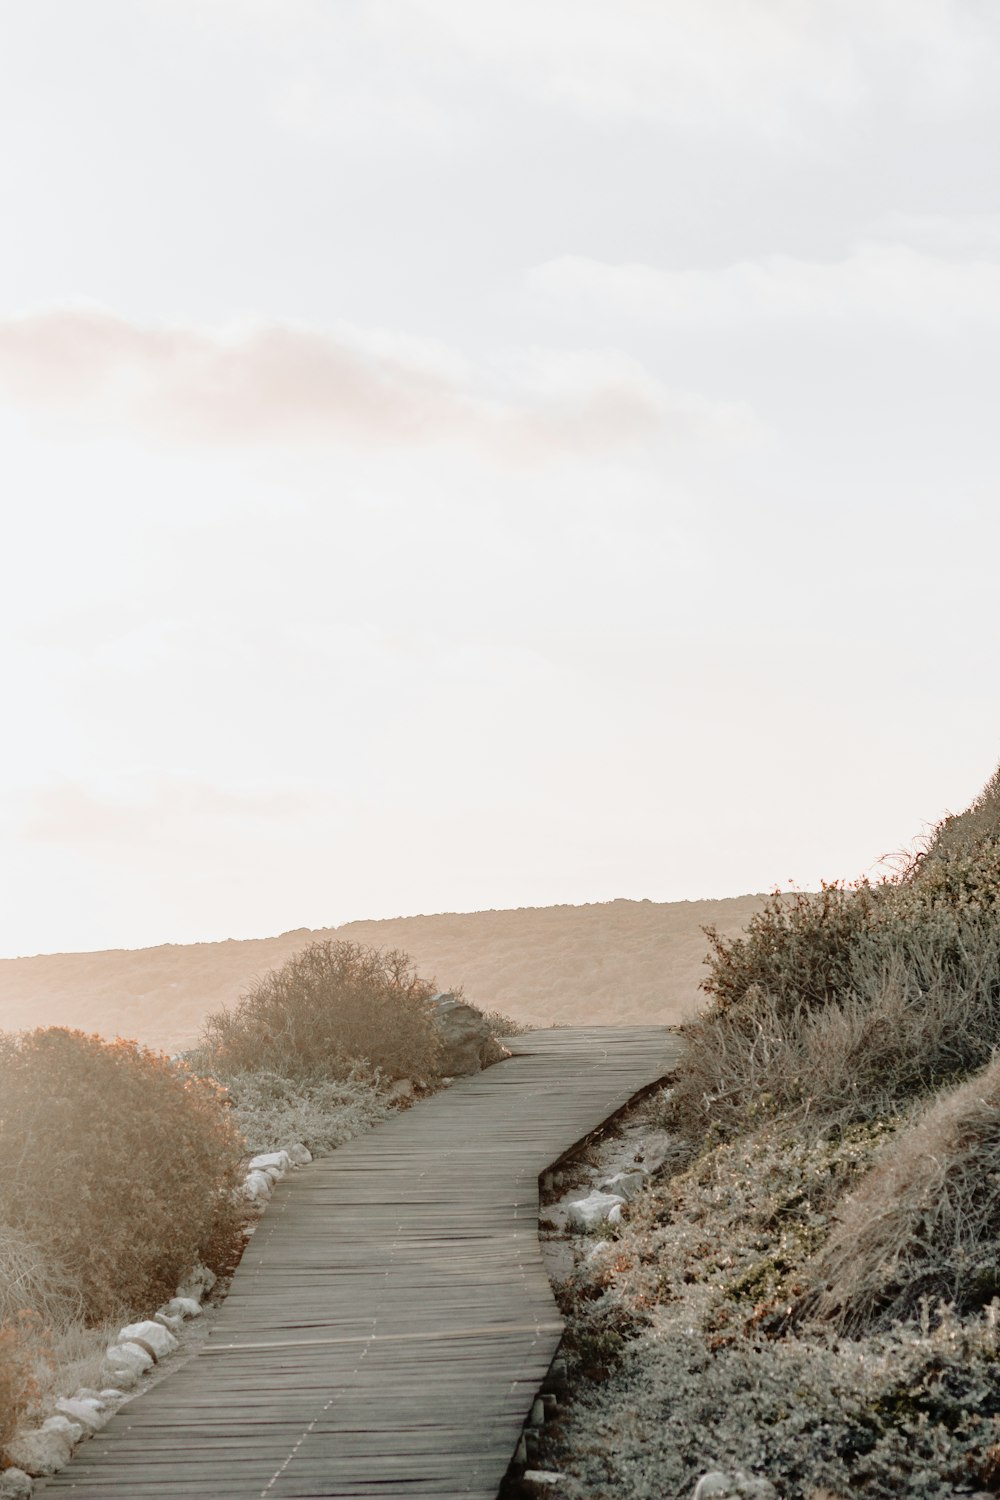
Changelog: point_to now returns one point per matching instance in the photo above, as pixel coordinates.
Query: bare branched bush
(924, 1223)
(116, 1160)
(31, 1282)
(329, 1008)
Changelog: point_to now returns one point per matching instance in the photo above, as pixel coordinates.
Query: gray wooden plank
(391, 1320)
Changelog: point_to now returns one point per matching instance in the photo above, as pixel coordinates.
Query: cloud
(160, 807)
(288, 383)
(874, 283)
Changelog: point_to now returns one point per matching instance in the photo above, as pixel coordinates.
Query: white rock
(301, 1155)
(257, 1187)
(171, 1321)
(276, 1161)
(627, 1185)
(596, 1208)
(733, 1485)
(15, 1484)
(129, 1357)
(400, 1090)
(71, 1431)
(598, 1250)
(715, 1485)
(150, 1335)
(124, 1376)
(197, 1283)
(111, 1396)
(39, 1453)
(181, 1307)
(541, 1476)
(90, 1414)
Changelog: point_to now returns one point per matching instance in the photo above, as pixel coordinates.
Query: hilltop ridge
(615, 961)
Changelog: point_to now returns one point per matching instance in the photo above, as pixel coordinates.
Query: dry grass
(919, 1005)
(30, 1281)
(925, 1222)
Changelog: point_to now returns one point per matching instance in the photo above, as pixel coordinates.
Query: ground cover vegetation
(809, 1292)
(121, 1167)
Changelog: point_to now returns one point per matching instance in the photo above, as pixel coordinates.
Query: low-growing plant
(117, 1160)
(329, 1008)
(272, 1112)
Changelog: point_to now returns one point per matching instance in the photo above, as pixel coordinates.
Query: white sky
(479, 453)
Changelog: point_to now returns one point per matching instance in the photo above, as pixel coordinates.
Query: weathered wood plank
(391, 1320)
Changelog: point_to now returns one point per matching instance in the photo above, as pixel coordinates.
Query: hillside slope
(615, 961)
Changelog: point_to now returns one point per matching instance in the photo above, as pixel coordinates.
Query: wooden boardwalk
(391, 1320)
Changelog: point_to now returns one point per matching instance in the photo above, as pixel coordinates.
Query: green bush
(329, 1008)
(118, 1162)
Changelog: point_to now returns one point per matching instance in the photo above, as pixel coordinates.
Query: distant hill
(614, 961)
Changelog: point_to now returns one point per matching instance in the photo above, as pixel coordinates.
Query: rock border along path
(391, 1321)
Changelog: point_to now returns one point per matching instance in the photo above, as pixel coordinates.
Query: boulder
(275, 1163)
(544, 1478)
(39, 1453)
(627, 1185)
(150, 1335)
(129, 1358)
(197, 1283)
(300, 1155)
(89, 1413)
(596, 1208)
(181, 1307)
(71, 1431)
(257, 1187)
(463, 1033)
(15, 1484)
(720, 1484)
(401, 1091)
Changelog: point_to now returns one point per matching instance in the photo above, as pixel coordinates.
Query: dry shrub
(120, 1162)
(328, 1008)
(17, 1384)
(796, 949)
(964, 833)
(924, 1222)
(30, 1282)
(900, 993)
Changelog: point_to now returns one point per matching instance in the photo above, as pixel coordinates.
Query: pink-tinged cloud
(286, 383)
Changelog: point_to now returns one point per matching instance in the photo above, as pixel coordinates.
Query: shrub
(120, 1162)
(30, 1282)
(924, 1222)
(920, 1007)
(328, 1008)
(796, 949)
(17, 1383)
(272, 1112)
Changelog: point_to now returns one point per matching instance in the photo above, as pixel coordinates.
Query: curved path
(391, 1321)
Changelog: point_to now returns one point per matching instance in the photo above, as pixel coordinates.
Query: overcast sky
(485, 453)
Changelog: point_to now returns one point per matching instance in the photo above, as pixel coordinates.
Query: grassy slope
(616, 961)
